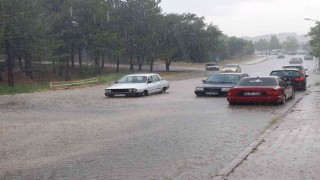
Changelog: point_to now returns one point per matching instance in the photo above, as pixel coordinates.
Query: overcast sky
(250, 17)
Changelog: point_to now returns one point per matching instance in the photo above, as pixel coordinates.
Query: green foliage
(261, 45)
(88, 71)
(55, 30)
(110, 78)
(274, 43)
(19, 89)
(29, 88)
(239, 47)
(315, 40)
(291, 44)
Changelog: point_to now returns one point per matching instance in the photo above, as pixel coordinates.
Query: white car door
(157, 83)
(151, 85)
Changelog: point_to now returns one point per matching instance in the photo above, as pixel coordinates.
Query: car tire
(145, 93)
(232, 103)
(284, 100)
(163, 90)
(293, 94)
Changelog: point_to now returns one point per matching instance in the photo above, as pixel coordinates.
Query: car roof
(286, 69)
(292, 65)
(257, 77)
(142, 74)
(233, 73)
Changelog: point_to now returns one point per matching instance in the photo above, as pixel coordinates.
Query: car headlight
(108, 91)
(133, 90)
(225, 89)
(199, 88)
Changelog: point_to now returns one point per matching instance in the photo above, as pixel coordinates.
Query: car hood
(127, 86)
(224, 85)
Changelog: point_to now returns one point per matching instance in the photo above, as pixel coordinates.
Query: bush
(87, 71)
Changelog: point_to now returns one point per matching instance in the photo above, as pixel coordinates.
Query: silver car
(137, 85)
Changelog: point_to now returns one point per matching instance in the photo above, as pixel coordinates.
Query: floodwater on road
(80, 134)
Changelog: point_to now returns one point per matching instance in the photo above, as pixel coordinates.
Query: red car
(268, 89)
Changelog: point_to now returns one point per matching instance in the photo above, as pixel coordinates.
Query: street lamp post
(317, 22)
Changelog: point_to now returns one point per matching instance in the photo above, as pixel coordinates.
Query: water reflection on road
(80, 134)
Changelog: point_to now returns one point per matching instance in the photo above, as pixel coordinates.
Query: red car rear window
(258, 82)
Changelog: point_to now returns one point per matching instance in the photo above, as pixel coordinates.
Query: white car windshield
(133, 79)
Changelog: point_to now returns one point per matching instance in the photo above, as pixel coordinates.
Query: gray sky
(251, 17)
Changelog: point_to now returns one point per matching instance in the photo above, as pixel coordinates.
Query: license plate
(211, 93)
(119, 95)
(252, 93)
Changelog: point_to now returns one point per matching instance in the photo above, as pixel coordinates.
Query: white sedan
(137, 85)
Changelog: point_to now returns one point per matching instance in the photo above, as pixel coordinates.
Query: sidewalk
(290, 151)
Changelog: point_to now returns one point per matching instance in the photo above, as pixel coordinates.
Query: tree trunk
(139, 63)
(20, 63)
(54, 69)
(118, 63)
(96, 60)
(102, 60)
(72, 57)
(28, 70)
(168, 62)
(9, 65)
(131, 62)
(80, 57)
(67, 70)
(151, 64)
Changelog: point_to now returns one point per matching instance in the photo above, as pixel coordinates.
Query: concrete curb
(253, 146)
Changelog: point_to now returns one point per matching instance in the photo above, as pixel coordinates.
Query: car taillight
(299, 79)
(232, 92)
(272, 93)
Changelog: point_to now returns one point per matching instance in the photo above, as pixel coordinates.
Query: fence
(64, 84)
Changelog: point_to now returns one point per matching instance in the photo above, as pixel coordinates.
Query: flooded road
(80, 134)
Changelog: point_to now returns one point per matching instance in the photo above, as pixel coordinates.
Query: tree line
(132, 32)
(291, 44)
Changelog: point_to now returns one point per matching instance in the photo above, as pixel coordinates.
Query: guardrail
(63, 84)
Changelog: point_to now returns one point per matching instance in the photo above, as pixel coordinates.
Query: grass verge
(273, 121)
(36, 87)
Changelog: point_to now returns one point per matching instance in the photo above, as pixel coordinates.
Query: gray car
(218, 84)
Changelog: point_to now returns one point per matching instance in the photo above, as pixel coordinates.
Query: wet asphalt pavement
(80, 134)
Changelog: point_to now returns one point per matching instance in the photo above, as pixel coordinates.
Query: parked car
(268, 89)
(212, 67)
(218, 84)
(234, 68)
(292, 76)
(137, 85)
(295, 61)
(281, 56)
(296, 66)
(308, 57)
